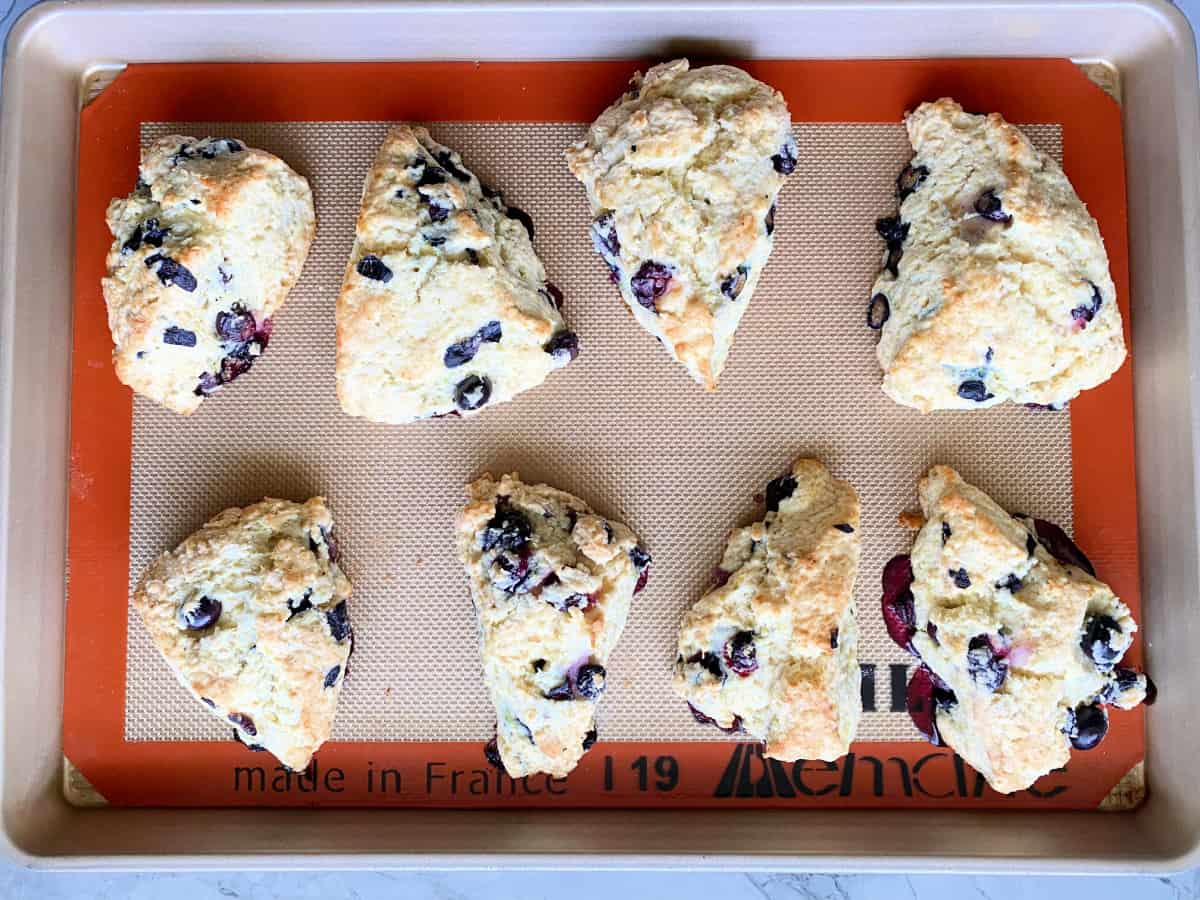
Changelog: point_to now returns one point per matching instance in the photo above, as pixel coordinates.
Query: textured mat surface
(623, 427)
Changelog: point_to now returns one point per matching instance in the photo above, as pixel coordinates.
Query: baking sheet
(622, 427)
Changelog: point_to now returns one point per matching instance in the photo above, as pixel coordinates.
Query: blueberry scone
(445, 308)
(250, 614)
(1019, 643)
(682, 173)
(996, 283)
(551, 582)
(772, 649)
(204, 253)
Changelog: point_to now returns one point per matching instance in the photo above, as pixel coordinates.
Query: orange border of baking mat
(614, 774)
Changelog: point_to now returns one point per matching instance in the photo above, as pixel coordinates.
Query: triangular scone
(996, 284)
(682, 173)
(1019, 644)
(204, 253)
(772, 649)
(250, 614)
(551, 582)
(445, 308)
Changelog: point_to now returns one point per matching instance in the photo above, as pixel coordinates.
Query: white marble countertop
(582, 886)
(17, 883)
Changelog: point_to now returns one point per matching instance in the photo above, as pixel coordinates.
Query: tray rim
(40, 21)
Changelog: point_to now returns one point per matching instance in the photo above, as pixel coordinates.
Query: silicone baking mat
(623, 427)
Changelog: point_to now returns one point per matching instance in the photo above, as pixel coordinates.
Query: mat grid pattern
(623, 427)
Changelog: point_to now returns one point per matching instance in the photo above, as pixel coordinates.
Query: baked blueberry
(899, 614)
(430, 175)
(878, 311)
(605, 239)
(975, 390)
(253, 748)
(208, 384)
(331, 677)
(769, 221)
(462, 352)
(560, 692)
(734, 727)
(1085, 312)
(740, 654)
(910, 178)
(589, 681)
(988, 205)
(508, 529)
(564, 346)
(510, 572)
(521, 216)
(927, 694)
(732, 285)
(491, 752)
(371, 266)
(892, 230)
(1096, 642)
(244, 722)
(778, 490)
(1086, 726)
(338, 620)
(553, 294)
(201, 614)
(236, 325)
(708, 661)
(960, 579)
(1012, 584)
(845, 528)
(785, 160)
(987, 668)
(295, 607)
(446, 159)
(1061, 547)
(651, 282)
(472, 392)
(171, 273)
(179, 337)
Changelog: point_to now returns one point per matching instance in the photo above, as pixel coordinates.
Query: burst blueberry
(508, 529)
(987, 668)
(741, 655)
(651, 282)
(589, 681)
